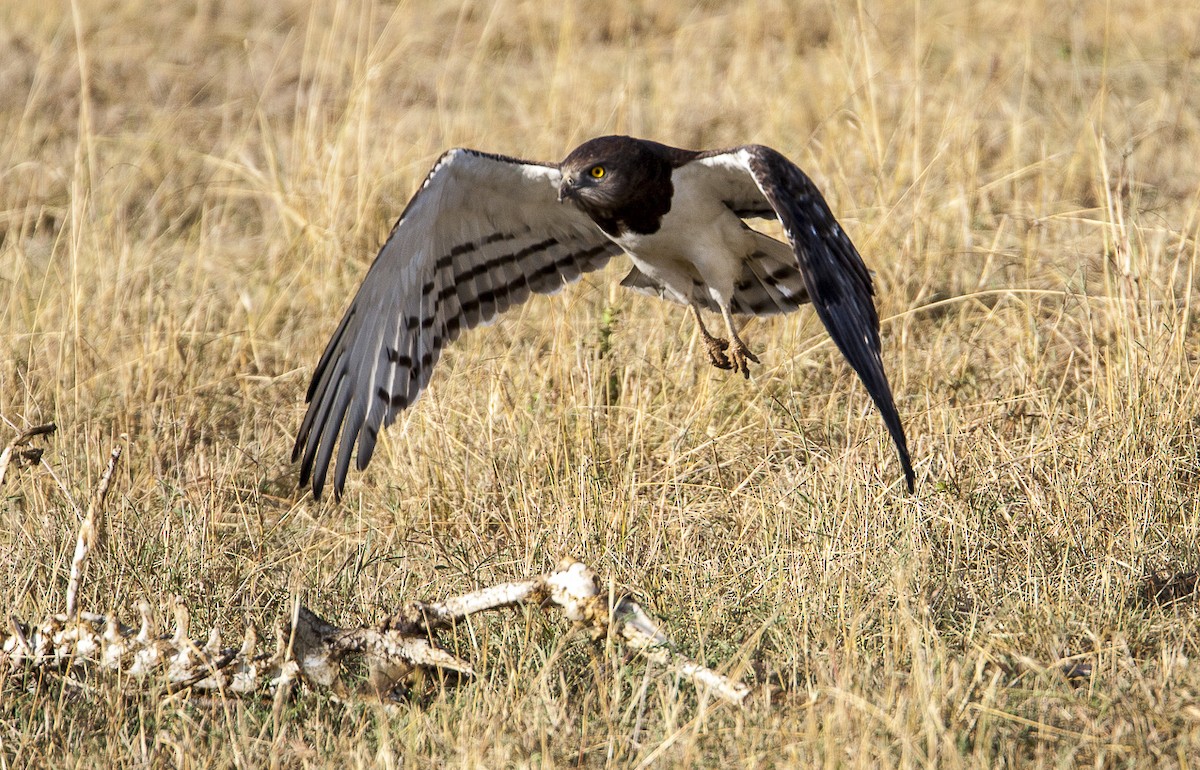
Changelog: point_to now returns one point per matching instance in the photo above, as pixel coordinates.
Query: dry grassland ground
(189, 192)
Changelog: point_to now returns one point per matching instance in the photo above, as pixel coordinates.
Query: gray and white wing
(753, 178)
(482, 234)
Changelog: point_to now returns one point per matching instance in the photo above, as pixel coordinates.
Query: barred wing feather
(482, 234)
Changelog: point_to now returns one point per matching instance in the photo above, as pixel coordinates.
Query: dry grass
(188, 193)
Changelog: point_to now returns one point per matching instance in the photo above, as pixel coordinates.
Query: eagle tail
(770, 282)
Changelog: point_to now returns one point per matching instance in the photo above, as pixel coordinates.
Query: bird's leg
(739, 355)
(715, 345)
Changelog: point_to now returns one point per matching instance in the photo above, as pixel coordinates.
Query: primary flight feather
(485, 231)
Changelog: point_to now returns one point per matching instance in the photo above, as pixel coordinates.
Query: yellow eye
(597, 172)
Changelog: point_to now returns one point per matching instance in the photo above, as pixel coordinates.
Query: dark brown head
(622, 183)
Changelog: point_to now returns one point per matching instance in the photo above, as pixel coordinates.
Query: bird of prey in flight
(485, 231)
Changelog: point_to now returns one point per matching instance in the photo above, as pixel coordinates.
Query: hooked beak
(566, 189)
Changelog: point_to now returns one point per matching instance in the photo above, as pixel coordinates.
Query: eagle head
(605, 174)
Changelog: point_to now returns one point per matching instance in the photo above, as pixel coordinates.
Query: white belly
(699, 241)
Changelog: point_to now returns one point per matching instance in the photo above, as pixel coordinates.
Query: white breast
(699, 240)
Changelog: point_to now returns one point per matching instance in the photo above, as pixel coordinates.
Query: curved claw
(741, 358)
(716, 352)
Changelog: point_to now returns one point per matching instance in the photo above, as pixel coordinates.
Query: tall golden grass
(190, 192)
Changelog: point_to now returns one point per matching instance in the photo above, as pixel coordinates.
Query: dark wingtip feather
(852, 322)
(838, 281)
(869, 367)
(891, 419)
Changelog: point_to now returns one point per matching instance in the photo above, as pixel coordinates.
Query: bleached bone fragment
(147, 632)
(115, 643)
(213, 645)
(147, 647)
(183, 620)
(244, 670)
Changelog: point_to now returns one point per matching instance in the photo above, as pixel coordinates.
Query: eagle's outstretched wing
(757, 181)
(482, 233)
